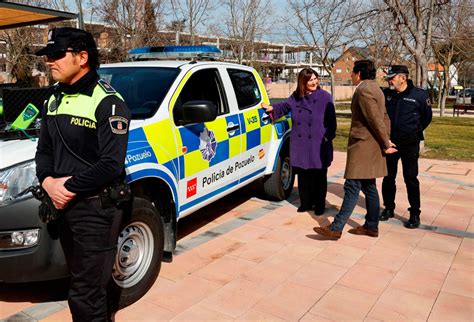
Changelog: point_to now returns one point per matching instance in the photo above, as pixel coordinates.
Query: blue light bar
(174, 52)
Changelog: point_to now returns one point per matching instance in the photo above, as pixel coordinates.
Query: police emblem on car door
(210, 149)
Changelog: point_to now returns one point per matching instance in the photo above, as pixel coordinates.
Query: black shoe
(413, 222)
(304, 208)
(386, 215)
(318, 211)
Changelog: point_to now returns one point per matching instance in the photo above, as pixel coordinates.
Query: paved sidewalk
(261, 261)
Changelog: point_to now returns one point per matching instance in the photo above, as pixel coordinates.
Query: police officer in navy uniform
(409, 110)
(92, 120)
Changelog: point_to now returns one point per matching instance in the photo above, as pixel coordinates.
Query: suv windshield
(143, 88)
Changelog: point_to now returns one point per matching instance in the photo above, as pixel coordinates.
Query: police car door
(256, 127)
(209, 149)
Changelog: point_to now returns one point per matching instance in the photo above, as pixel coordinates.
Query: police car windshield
(143, 88)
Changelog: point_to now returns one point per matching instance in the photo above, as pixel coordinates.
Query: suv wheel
(139, 254)
(279, 184)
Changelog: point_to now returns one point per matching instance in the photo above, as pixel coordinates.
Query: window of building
(338, 70)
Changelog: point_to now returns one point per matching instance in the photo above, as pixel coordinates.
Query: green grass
(446, 138)
(450, 139)
(343, 106)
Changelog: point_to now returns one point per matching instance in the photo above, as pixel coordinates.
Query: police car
(198, 133)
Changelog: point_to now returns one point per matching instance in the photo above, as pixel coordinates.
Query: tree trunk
(442, 105)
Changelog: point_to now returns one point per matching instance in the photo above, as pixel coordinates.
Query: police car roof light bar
(202, 52)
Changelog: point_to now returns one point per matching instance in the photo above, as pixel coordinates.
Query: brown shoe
(361, 230)
(327, 232)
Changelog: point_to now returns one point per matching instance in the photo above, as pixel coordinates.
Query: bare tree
(452, 42)
(245, 24)
(374, 30)
(413, 20)
(321, 25)
(20, 55)
(135, 23)
(193, 11)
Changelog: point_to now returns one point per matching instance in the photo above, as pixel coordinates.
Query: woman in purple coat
(313, 128)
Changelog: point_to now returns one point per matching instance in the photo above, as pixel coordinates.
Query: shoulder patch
(118, 124)
(106, 87)
(53, 106)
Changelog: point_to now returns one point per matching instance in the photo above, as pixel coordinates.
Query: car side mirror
(196, 112)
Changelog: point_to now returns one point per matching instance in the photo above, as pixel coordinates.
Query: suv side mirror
(196, 112)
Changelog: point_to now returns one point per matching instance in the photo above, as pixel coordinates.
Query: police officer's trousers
(88, 236)
(409, 154)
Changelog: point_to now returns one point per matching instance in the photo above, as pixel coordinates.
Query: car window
(204, 85)
(142, 88)
(245, 88)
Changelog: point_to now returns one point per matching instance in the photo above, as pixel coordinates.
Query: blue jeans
(352, 187)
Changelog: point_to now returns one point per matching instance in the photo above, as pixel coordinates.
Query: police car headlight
(16, 179)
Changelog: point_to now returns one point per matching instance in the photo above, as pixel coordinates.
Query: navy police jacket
(409, 112)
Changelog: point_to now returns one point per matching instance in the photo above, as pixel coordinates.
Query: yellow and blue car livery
(202, 162)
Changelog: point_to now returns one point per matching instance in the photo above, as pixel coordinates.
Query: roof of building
(362, 51)
(14, 15)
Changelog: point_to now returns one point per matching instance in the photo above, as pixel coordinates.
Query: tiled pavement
(261, 261)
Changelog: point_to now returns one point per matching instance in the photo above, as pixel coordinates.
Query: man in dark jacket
(410, 113)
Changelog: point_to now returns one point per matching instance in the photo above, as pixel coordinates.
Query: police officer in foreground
(81, 152)
(409, 110)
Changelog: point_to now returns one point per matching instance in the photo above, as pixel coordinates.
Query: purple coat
(313, 128)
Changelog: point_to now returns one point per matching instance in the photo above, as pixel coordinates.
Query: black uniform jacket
(98, 134)
(409, 113)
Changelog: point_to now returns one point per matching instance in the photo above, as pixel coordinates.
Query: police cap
(67, 39)
(396, 69)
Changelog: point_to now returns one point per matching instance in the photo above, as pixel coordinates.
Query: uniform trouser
(352, 187)
(409, 155)
(313, 187)
(88, 236)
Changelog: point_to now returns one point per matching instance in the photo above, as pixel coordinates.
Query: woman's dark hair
(366, 68)
(303, 77)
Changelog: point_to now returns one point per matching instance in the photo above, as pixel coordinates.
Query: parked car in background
(465, 96)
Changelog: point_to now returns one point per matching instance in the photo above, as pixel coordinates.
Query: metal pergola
(14, 15)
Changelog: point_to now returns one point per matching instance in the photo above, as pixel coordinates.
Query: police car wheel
(278, 185)
(139, 254)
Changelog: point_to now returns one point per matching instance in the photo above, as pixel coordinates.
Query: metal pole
(80, 16)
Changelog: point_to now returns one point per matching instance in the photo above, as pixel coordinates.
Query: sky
(276, 33)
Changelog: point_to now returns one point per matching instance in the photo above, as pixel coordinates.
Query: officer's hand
(59, 195)
(268, 108)
(392, 145)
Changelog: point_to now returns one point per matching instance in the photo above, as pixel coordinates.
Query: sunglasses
(58, 54)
